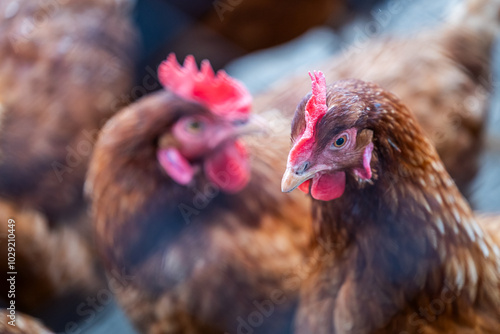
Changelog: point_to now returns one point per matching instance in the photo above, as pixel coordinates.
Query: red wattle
(229, 169)
(326, 187)
(304, 187)
(175, 165)
(365, 172)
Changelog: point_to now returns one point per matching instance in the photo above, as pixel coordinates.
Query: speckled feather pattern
(63, 70)
(401, 242)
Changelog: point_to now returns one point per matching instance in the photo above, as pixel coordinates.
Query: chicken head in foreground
(409, 255)
(320, 163)
(189, 217)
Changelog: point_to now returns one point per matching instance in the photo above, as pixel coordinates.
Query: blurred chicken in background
(443, 75)
(192, 216)
(63, 67)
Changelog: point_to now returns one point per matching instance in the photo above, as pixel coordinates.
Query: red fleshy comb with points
(316, 106)
(315, 109)
(219, 92)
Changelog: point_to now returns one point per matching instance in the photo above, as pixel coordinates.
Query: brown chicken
(21, 324)
(443, 75)
(407, 254)
(63, 68)
(193, 222)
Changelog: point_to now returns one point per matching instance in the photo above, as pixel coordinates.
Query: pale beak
(255, 125)
(228, 132)
(292, 180)
(221, 137)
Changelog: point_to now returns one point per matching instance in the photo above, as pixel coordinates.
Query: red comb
(316, 106)
(220, 93)
(315, 109)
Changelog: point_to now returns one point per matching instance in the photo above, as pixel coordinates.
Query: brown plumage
(406, 253)
(24, 324)
(56, 265)
(443, 75)
(63, 68)
(193, 258)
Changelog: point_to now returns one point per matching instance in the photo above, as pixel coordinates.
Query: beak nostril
(302, 168)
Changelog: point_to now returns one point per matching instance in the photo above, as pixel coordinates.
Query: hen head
(161, 152)
(205, 140)
(331, 137)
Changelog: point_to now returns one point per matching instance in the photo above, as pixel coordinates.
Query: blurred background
(262, 42)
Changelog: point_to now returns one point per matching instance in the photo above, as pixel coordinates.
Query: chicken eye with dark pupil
(194, 126)
(340, 141)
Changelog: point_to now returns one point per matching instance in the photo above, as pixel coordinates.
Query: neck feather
(410, 222)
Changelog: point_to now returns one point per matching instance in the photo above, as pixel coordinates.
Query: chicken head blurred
(198, 141)
(205, 139)
(185, 136)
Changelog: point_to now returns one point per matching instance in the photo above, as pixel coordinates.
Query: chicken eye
(340, 141)
(194, 126)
